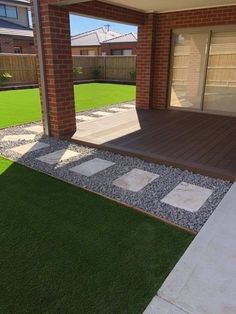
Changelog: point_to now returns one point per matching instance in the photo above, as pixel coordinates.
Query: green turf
(22, 106)
(65, 250)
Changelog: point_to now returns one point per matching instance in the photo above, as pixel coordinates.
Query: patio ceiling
(168, 6)
(158, 5)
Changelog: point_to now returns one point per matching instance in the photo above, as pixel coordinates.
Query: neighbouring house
(89, 43)
(16, 36)
(123, 45)
(102, 41)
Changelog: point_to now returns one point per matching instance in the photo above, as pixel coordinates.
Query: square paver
(18, 137)
(129, 106)
(135, 180)
(35, 128)
(92, 167)
(119, 109)
(84, 118)
(58, 156)
(187, 196)
(27, 148)
(102, 113)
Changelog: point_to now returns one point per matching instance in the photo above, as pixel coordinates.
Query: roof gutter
(44, 98)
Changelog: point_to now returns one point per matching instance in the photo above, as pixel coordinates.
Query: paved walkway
(204, 280)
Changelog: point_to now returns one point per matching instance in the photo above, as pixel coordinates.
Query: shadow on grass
(65, 250)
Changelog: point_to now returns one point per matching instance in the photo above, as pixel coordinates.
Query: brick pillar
(145, 61)
(56, 43)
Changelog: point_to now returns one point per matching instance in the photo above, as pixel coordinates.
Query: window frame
(5, 6)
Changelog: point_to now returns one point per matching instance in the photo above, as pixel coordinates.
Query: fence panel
(23, 68)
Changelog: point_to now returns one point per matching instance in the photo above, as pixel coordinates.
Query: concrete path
(204, 280)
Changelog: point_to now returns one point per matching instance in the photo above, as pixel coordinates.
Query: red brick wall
(27, 45)
(7, 44)
(107, 48)
(169, 21)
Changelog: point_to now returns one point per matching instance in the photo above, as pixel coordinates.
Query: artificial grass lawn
(65, 250)
(23, 106)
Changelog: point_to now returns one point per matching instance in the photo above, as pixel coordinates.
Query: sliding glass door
(220, 91)
(189, 62)
(203, 71)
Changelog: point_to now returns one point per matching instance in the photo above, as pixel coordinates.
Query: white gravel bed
(148, 199)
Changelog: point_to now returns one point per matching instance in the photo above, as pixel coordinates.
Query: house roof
(12, 29)
(86, 40)
(125, 38)
(93, 37)
(19, 2)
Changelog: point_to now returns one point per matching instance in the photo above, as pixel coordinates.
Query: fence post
(105, 67)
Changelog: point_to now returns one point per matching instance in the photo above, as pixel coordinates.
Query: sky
(80, 24)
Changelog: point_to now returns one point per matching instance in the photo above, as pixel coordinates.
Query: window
(84, 52)
(116, 52)
(121, 52)
(8, 11)
(17, 50)
(91, 53)
(127, 52)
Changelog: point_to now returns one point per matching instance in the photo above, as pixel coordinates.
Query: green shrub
(5, 77)
(97, 72)
(132, 75)
(77, 71)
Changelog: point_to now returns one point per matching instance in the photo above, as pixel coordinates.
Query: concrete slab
(28, 148)
(35, 128)
(204, 279)
(135, 180)
(18, 137)
(92, 167)
(58, 156)
(160, 306)
(187, 196)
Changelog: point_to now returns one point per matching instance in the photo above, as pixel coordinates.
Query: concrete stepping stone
(85, 118)
(135, 180)
(58, 156)
(28, 148)
(92, 167)
(128, 106)
(119, 109)
(187, 196)
(18, 137)
(35, 128)
(102, 113)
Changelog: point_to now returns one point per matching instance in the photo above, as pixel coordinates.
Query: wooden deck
(202, 143)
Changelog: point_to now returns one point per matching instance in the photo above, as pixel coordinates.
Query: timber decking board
(202, 143)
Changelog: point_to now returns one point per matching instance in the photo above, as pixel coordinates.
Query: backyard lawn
(65, 250)
(22, 106)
